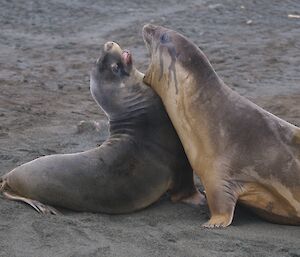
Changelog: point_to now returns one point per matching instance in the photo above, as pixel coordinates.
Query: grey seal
(141, 160)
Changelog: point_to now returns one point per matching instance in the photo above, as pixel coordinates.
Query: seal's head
(109, 76)
(173, 59)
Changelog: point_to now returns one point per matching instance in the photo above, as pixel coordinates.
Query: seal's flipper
(221, 200)
(39, 207)
(297, 137)
(195, 198)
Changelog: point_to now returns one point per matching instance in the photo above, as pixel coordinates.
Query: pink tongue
(126, 57)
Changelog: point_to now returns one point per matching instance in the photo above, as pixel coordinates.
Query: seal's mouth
(126, 57)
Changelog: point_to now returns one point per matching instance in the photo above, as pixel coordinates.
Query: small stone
(86, 126)
(60, 86)
(215, 6)
(294, 16)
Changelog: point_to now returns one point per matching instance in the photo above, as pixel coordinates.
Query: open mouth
(126, 57)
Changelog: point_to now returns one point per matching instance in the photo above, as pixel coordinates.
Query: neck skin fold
(135, 104)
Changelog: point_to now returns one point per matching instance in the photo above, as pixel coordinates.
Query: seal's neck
(209, 85)
(137, 101)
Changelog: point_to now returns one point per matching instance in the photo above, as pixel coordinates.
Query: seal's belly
(274, 204)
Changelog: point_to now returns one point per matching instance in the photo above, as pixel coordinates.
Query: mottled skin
(140, 161)
(240, 151)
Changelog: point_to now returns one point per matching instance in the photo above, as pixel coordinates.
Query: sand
(46, 51)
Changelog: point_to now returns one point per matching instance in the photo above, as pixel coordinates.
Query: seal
(241, 152)
(142, 158)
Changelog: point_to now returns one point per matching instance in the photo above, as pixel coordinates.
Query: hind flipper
(39, 207)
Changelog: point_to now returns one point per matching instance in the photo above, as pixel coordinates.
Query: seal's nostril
(108, 46)
(149, 28)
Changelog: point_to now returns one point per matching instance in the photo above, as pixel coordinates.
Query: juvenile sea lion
(240, 151)
(141, 160)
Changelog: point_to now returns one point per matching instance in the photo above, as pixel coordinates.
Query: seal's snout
(108, 46)
(112, 47)
(148, 32)
(149, 29)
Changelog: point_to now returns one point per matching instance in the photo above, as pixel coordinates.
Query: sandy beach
(46, 52)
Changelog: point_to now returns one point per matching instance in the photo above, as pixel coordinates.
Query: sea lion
(141, 160)
(240, 151)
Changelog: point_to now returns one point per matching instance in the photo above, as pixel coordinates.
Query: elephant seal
(240, 151)
(141, 160)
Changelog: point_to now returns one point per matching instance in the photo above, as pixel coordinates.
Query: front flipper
(221, 197)
(194, 198)
(297, 136)
(219, 221)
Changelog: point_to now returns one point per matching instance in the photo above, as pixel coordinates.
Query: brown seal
(240, 151)
(141, 160)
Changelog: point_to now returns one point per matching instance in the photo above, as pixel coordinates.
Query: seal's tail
(2, 184)
(4, 187)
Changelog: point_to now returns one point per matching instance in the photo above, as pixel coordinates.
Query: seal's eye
(118, 70)
(115, 68)
(164, 38)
